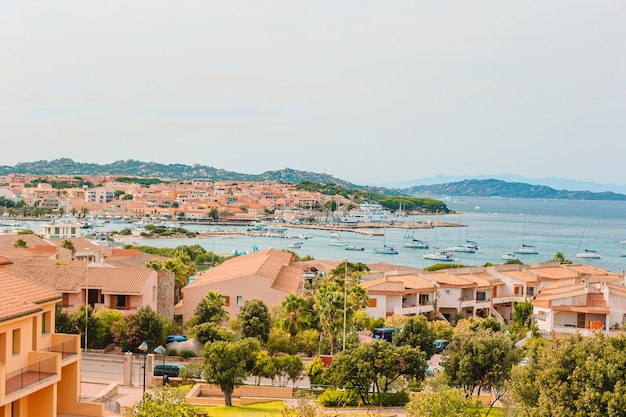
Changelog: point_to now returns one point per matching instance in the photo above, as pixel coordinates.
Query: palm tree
(296, 314)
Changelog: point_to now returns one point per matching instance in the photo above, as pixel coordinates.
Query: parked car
(176, 338)
(168, 369)
(384, 333)
(440, 345)
(430, 371)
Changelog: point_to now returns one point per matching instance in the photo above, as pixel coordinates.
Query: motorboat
(338, 242)
(526, 250)
(464, 248)
(386, 250)
(295, 245)
(441, 256)
(510, 256)
(589, 254)
(354, 247)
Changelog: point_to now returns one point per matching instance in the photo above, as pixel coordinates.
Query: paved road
(110, 368)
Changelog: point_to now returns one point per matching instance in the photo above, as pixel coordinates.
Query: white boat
(354, 247)
(526, 250)
(295, 245)
(510, 256)
(386, 250)
(411, 242)
(416, 244)
(334, 235)
(464, 248)
(338, 242)
(371, 213)
(589, 254)
(441, 256)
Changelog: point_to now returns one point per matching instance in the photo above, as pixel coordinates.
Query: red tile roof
(19, 296)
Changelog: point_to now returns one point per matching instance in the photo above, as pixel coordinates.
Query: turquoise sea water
(497, 224)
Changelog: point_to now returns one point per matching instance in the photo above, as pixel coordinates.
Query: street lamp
(143, 347)
(345, 300)
(161, 351)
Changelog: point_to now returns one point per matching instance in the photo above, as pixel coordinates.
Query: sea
(498, 225)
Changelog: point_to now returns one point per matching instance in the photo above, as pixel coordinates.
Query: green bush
(186, 354)
(172, 352)
(333, 397)
(391, 399)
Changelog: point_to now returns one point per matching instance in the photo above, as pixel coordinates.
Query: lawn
(275, 409)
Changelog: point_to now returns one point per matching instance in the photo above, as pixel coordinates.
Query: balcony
(68, 345)
(508, 299)
(43, 369)
(413, 309)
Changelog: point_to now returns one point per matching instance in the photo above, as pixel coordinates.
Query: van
(384, 333)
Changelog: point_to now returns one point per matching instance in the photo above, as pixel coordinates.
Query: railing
(66, 349)
(30, 375)
(109, 404)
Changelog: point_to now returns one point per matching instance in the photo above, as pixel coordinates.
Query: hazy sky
(369, 91)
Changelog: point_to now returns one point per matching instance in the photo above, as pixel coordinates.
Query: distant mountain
(66, 166)
(499, 188)
(467, 187)
(552, 182)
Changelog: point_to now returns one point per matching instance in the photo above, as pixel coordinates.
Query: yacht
(372, 213)
(416, 244)
(510, 256)
(354, 247)
(469, 247)
(386, 250)
(441, 256)
(337, 242)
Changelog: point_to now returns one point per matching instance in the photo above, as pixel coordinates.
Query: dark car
(168, 369)
(384, 333)
(440, 345)
(176, 338)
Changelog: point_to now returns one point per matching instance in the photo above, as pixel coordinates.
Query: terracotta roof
(73, 278)
(266, 263)
(19, 296)
(384, 286)
(478, 279)
(288, 280)
(32, 240)
(448, 280)
(553, 272)
(521, 276)
(4, 261)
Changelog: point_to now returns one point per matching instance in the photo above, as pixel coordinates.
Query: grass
(270, 409)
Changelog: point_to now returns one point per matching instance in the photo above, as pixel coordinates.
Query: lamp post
(345, 302)
(86, 302)
(143, 347)
(161, 351)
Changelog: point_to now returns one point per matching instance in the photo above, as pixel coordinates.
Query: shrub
(186, 353)
(172, 352)
(333, 397)
(391, 399)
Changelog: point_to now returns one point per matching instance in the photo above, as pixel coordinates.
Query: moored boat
(589, 254)
(354, 247)
(441, 256)
(386, 250)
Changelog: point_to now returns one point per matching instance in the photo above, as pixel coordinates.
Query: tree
(227, 364)
(20, 243)
(287, 368)
(210, 309)
(295, 314)
(330, 302)
(560, 258)
(104, 319)
(376, 364)
(79, 320)
(445, 402)
(144, 326)
(522, 312)
(480, 359)
(68, 244)
(575, 376)
(164, 402)
(254, 320)
(211, 332)
(416, 333)
(183, 267)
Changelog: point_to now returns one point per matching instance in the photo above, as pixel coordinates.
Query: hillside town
(55, 283)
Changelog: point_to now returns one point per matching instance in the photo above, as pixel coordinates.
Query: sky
(371, 92)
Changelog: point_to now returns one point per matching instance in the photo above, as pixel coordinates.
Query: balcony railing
(30, 375)
(67, 349)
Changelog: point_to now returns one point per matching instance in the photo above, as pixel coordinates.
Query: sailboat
(411, 242)
(386, 250)
(443, 256)
(587, 253)
(469, 246)
(525, 249)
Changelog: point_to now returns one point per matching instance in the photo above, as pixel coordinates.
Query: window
(239, 301)
(424, 299)
(530, 291)
(226, 300)
(66, 300)
(480, 296)
(372, 302)
(45, 322)
(120, 302)
(17, 342)
(517, 290)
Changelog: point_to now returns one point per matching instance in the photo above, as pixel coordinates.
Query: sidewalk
(125, 396)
